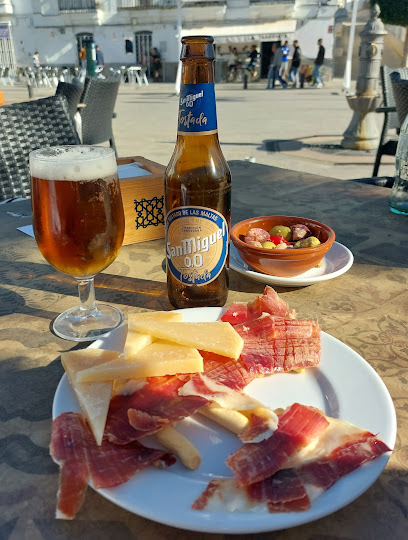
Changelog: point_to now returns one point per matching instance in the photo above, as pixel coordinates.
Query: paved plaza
(298, 129)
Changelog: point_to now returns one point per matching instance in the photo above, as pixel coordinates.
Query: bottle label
(197, 114)
(196, 244)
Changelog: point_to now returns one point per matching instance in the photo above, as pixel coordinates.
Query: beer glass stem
(86, 291)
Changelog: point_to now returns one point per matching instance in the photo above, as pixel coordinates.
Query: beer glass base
(73, 325)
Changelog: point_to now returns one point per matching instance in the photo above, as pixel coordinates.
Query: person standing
(274, 68)
(253, 59)
(318, 65)
(156, 63)
(284, 67)
(232, 61)
(100, 62)
(296, 59)
(36, 60)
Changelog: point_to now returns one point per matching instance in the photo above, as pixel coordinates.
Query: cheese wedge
(93, 398)
(155, 360)
(153, 315)
(217, 337)
(135, 341)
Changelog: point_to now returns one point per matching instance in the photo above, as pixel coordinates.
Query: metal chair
(99, 97)
(388, 146)
(25, 127)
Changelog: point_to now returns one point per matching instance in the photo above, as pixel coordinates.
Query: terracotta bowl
(282, 262)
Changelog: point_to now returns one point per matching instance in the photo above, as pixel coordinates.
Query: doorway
(82, 40)
(266, 56)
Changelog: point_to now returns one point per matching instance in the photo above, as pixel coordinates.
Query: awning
(241, 33)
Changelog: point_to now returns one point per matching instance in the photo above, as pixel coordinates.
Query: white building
(125, 30)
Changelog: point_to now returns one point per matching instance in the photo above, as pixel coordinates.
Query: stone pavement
(298, 129)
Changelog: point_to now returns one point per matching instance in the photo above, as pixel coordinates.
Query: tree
(395, 12)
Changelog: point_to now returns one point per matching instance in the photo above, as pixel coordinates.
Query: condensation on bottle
(197, 189)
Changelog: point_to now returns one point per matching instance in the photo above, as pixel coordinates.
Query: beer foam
(73, 163)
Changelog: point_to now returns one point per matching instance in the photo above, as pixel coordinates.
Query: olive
(312, 241)
(281, 230)
(268, 245)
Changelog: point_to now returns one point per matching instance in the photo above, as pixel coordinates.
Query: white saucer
(336, 262)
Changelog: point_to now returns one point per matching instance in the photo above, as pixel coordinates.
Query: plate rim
(249, 522)
(294, 280)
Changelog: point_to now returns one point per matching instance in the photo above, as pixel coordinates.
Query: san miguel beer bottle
(197, 189)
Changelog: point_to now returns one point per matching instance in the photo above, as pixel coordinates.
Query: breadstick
(173, 440)
(232, 420)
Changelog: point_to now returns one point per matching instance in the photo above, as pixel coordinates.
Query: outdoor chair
(400, 91)
(99, 98)
(5, 76)
(25, 127)
(72, 92)
(387, 146)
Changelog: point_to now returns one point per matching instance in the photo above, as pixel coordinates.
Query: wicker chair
(99, 97)
(25, 127)
(388, 146)
(400, 91)
(72, 92)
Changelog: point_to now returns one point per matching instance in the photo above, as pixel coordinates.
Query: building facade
(126, 30)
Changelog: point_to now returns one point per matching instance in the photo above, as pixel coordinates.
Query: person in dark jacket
(318, 64)
(100, 62)
(296, 59)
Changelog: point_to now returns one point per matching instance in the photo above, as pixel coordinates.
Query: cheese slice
(135, 341)
(158, 359)
(217, 337)
(93, 398)
(152, 316)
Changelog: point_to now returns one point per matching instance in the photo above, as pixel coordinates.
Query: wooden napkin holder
(143, 202)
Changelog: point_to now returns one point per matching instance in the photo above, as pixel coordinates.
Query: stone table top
(366, 308)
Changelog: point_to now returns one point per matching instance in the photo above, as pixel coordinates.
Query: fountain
(362, 132)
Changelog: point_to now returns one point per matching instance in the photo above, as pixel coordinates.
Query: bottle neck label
(197, 114)
(196, 244)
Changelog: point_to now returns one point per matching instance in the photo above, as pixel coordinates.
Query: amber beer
(78, 219)
(197, 189)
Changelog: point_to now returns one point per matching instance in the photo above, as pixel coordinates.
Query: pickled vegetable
(311, 241)
(268, 245)
(281, 230)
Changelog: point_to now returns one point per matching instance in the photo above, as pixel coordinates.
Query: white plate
(344, 386)
(335, 263)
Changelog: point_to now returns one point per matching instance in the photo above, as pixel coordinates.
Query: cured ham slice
(74, 449)
(268, 302)
(201, 385)
(340, 449)
(157, 402)
(231, 373)
(274, 345)
(297, 427)
(67, 449)
(160, 402)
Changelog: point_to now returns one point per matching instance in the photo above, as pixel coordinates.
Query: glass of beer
(79, 223)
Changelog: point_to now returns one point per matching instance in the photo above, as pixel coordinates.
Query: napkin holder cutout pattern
(143, 202)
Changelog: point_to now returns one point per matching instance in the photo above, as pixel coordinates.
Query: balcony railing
(146, 4)
(77, 5)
